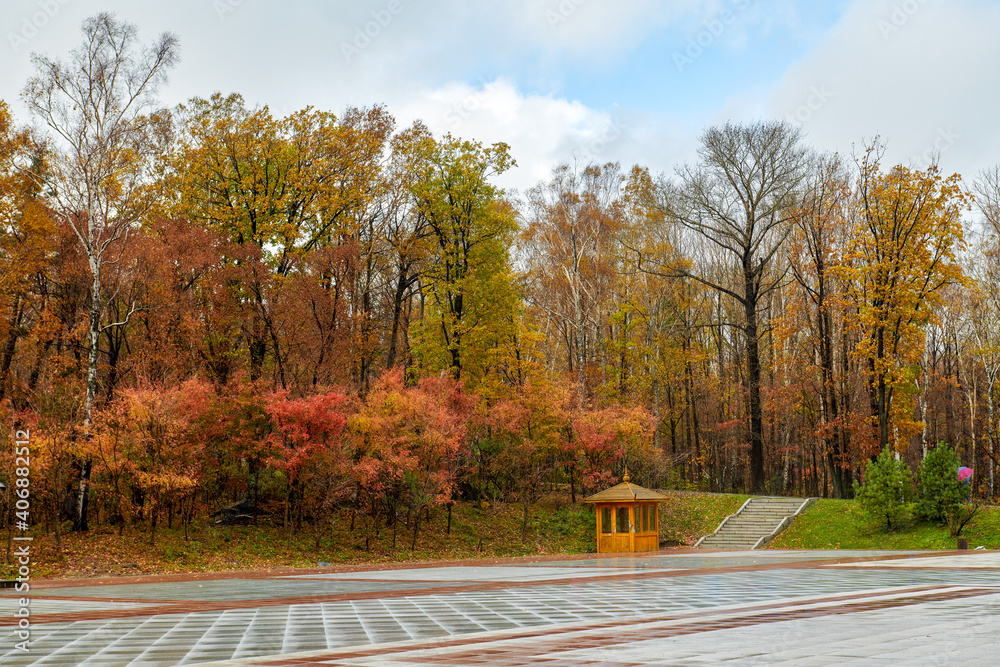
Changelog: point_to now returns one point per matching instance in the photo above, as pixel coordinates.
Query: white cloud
(911, 71)
(541, 130)
(923, 79)
(544, 131)
(431, 39)
(401, 53)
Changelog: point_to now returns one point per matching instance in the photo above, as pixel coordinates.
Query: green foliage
(471, 305)
(886, 490)
(285, 185)
(939, 492)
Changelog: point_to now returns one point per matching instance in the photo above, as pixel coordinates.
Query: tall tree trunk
(923, 389)
(833, 433)
(579, 337)
(9, 348)
(846, 405)
(416, 530)
(694, 430)
(402, 283)
(86, 465)
(754, 405)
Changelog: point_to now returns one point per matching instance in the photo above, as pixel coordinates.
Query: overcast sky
(559, 80)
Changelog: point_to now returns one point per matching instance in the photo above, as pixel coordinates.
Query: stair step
(756, 520)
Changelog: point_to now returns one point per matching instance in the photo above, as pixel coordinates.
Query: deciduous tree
(27, 241)
(906, 235)
(469, 297)
(821, 227)
(100, 107)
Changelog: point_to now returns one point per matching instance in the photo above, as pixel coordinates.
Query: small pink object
(964, 474)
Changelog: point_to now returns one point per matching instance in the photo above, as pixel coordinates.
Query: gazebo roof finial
(625, 477)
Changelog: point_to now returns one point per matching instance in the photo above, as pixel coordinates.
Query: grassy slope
(840, 524)
(688, 516)
(555, 527)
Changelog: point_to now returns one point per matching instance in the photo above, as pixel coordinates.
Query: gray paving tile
(232, 590)
(951, 627)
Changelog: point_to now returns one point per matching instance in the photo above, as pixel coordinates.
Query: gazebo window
(645, 518)
(606, 520)
(622, 523)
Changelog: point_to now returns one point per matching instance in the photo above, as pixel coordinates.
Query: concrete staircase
(756, 523)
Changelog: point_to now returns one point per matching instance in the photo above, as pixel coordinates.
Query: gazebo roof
(625, 492)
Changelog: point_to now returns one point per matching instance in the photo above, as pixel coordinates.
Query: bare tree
(740, 198)
(106, 132)
(987, 189)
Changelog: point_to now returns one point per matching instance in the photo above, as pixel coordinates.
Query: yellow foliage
(907, 233)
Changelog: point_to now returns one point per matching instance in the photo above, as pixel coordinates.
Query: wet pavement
(668, 608)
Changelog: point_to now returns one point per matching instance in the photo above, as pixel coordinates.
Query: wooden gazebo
(627, 518)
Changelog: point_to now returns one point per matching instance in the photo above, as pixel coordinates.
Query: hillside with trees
(328, 315)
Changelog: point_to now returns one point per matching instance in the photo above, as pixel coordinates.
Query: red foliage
(602, 438)
(409, 444)
(303, 428)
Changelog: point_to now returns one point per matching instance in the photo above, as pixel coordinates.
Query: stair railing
(784, 523)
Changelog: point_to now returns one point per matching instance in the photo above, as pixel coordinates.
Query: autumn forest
(335, 315)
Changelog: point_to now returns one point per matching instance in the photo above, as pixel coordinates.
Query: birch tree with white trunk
(104, 135)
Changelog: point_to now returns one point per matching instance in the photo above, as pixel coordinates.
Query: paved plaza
(680, 607)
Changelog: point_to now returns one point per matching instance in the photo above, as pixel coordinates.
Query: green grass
(574, 526)
(840, 524)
